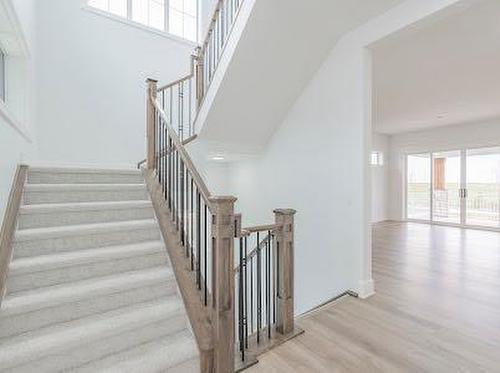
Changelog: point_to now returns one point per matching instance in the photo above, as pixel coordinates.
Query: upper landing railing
(181, 99)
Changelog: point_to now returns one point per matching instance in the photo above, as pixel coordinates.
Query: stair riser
(15, 324)
(62, 196)
(53, 277)
(64, 244)
(74, 355)
(83, 178)
(57, 218)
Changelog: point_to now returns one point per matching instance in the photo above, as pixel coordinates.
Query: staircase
(90, 287)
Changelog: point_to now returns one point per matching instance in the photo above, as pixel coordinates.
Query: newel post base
(151, 94)
(223, 282)
(285, 255)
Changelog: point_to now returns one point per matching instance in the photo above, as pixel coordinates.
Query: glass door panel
(483, 187)
(418, 182)
(446, 187)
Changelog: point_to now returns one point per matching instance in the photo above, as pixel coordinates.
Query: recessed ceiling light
(218, 158)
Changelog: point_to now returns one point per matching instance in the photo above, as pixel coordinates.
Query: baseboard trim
(366, 289)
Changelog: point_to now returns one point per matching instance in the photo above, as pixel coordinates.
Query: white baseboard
(366, 289)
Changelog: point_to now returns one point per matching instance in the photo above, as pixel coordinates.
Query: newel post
(151, 95)
(223, 282)
(285, 253)
(199, 76)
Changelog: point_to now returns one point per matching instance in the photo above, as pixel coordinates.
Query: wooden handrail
(198, 180)
(261, 228)
(253, 252)
(194, 58)
(9, 224)
(165, 152)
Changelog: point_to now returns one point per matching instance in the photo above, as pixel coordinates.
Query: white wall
(91, 84)
(17, 130)
(469, 135)
(318, 163)
(206, 10)
(380, 179)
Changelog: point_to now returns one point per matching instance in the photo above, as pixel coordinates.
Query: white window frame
(377, 158)
(130, 21)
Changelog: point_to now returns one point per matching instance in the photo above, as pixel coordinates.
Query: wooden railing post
(151, 94)
(223, 285)
(199, 77)
(285, 253)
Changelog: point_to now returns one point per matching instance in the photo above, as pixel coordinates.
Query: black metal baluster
(259, 290)
(183, 204)
(170, 155)
(251, 294)
(268, 283)
(177, 183)
(191, 215)
(240, 303)
(205, 243)
(198, 254)
(277, 271)
(205, 263)
(198, 224)
(245, 306)
(188, 194)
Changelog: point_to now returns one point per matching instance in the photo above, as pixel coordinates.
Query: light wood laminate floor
(437, 309)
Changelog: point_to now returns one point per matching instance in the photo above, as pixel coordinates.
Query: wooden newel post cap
(151, 80)
(222, 199)
(285, 211)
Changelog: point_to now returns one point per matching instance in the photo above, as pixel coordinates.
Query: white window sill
(139, 26)
(17, 126)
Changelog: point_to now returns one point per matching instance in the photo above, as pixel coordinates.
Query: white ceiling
(442, 73)
(282, 46)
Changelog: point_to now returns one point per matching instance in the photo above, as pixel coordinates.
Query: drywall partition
(91, 84)
(318, 163)
(467, 135)
(17, 128)
(380, 179)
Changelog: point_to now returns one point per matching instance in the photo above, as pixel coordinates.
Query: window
(2, 75)
(178, 17)
(182, 18)
(377, 159)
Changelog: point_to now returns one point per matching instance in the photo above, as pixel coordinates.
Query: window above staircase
(174, 17)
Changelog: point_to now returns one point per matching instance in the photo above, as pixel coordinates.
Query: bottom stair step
(69, 345)
(163, 355)
(57, 304)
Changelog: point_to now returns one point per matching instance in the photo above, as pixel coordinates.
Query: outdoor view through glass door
(446, 187)
(483, 187)
(454, 187)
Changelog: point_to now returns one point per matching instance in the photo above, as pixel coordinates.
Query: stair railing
(207, 229)
(264, 285)
(181, 99)
(212, 48)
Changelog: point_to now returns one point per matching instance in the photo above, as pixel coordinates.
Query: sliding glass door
(483, 187)
(418, 186)
(459, 187)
